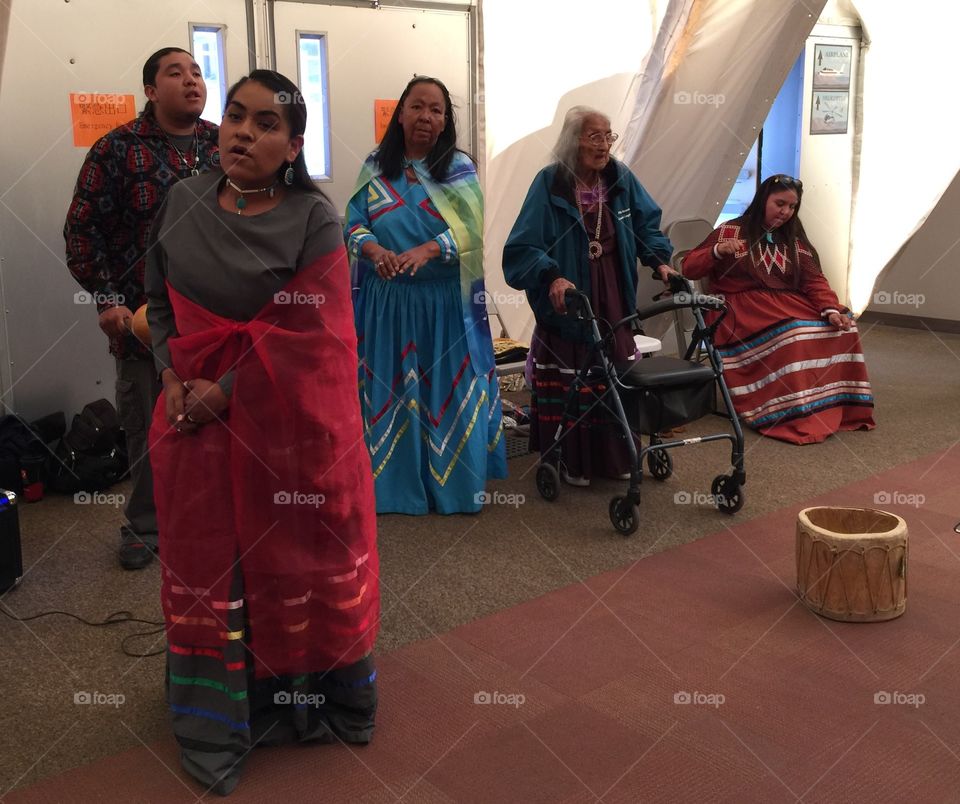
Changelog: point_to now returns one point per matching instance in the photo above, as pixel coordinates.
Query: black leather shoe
(134, 554)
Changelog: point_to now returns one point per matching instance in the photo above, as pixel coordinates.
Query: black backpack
(92, 455)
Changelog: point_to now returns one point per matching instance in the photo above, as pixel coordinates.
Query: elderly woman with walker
(585, 223)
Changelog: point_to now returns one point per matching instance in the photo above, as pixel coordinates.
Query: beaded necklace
(195, 170)
(594, 249)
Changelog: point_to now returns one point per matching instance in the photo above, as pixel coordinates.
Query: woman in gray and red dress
(584, 224)
(263, 484)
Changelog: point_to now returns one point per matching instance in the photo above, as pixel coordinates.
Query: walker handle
(578, 303)
(681, 301)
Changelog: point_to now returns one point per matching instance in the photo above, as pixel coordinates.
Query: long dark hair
(390, 154)
(287, 94)
(789, 233)
(152, 65)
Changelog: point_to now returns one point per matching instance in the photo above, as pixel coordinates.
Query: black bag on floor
(17, 441)
(50, 427)
(95, 429)
(92, 455)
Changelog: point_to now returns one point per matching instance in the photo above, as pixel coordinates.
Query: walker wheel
(727, 494)
(548, 481)
(624, 515)
(660, 464)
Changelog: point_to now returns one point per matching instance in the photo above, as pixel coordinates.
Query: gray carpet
(437, 572)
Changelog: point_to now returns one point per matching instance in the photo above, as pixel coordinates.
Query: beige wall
(826, 167)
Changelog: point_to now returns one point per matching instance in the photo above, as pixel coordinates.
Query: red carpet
(582, 686)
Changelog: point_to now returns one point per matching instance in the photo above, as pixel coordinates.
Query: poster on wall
(96, 113)
(382, 112)
(829, 112)
(831, 66)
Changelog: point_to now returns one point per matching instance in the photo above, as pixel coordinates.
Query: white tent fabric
(541, 59)
(908, 103)
(688, 142)
(694, 123)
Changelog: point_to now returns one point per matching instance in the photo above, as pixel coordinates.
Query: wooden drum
(852, 563)
(139, 326)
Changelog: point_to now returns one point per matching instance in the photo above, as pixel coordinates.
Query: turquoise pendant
(769, 237)
(241, 203)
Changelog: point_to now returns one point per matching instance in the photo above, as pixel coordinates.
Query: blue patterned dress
(433, 424)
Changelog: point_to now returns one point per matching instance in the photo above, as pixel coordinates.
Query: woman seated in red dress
(791, 352)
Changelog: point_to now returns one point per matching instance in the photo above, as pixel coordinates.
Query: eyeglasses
(788, 181)
(599, 138)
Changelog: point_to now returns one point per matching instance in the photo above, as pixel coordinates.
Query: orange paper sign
(96, 113)
(382, 112)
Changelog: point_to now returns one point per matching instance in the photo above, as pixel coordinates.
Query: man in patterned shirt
(123, 181)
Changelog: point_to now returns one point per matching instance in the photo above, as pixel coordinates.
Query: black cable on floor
(116, 618)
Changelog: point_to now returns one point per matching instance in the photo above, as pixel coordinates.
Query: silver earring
(288, 175)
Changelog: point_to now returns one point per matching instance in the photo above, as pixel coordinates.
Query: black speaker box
(11, 559)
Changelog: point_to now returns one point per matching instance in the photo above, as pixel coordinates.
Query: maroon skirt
(594, 444)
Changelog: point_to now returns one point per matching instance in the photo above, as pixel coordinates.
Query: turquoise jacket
(549, 241)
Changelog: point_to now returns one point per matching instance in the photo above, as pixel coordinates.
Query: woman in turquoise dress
(428, 389)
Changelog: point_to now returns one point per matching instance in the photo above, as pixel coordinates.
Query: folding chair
(686, 234)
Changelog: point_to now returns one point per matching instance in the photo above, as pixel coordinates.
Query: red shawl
(281, 485)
